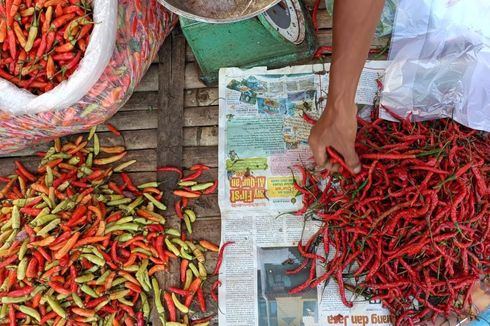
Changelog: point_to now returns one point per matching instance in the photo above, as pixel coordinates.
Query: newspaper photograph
(264, 129)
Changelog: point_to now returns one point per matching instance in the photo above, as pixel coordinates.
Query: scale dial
(287, 19)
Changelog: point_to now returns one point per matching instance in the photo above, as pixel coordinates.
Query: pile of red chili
(80, 246)
(42, 41)
(413, 228)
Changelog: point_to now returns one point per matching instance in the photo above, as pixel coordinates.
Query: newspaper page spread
(262, 136)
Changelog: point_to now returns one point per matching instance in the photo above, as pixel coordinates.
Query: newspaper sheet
(262, 135)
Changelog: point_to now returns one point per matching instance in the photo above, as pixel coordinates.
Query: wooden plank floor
(149, 127)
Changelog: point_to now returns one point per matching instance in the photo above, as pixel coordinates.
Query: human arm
(354, 24)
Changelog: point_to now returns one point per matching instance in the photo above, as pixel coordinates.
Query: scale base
(244, 44)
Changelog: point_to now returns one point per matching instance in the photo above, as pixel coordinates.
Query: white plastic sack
(440, 65)
(99, 51)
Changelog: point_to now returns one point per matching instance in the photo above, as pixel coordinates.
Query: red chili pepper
(309, 119)
(129, 183)
(193, 176)
(29, 176)
(201, 300)
(221, 256)
(170, 306)
(211, 189)
(113, 129)
(170, 169)
(179, 291)
(178, 209)
(197, 167)
(21, 292)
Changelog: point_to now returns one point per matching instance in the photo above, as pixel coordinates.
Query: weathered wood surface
(169, 139)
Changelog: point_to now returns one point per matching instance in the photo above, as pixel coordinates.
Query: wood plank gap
(170, 133)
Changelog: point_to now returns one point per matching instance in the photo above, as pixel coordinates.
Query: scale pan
(218, 11)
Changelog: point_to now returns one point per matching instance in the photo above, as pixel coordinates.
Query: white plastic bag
(440, 62)
(99, 51)
(142, 26)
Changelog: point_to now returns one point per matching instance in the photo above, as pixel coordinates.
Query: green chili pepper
(110, 320)
(180, 243)
(131, 268)
(148, 185)
(138, 201)
(96, 252)
(122, 227)
(94, 259)
(145, 305)
(202, 186)
(31, 312)
(88, 290)
(9, 240)
(48, 179)
(185, 255)
(85, 170)
(171, 247)
(118, 281)
(15, 218)
(143, 251)
(119, 294)
(56, 307)
(192, 216)
(194, 269)
(126, 302)
(40, 221)
(188, 224)
(7, 226)
(96, 145)
(157, 295)
(78, 301)
(49, 227)
(85, 278)
(119, 202)
(9, 300)
(124, 237)
(4, 311)
(102, 278)
(51, 264)
(144, 221)
(179, 305)
(62, 187)
(124, 220)
(21, 269)
(202, 270)
(188, 279)
(187, 183)
(47, 200)
(143, 277)
(101, 305)
(90, 160)
(91, 133)
(172, 231)
(74, 160)
(155, 202)
(124, 165)
(23, 249)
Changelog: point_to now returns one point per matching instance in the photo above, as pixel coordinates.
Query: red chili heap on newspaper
(42, 41)
(413, 228)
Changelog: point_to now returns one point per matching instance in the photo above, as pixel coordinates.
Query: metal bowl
(218, 11)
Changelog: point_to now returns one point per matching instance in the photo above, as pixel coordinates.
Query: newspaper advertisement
(263, 135)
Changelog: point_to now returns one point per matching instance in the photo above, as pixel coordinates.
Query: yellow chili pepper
(182, 308)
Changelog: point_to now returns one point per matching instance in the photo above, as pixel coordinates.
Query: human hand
(337, 127)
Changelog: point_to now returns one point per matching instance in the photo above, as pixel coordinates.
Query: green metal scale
(280, 36)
